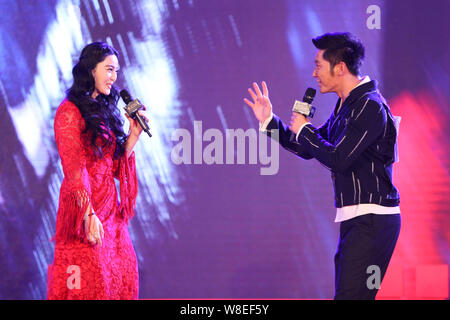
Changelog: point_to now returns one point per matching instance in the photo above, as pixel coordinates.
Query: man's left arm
(360, 132)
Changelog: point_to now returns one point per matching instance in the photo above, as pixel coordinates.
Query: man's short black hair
(341, 47)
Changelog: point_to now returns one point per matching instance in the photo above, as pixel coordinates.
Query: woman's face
(105, 74)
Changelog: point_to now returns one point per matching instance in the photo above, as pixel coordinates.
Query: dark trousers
(366, 244)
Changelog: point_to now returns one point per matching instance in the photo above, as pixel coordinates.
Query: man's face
(322, 73)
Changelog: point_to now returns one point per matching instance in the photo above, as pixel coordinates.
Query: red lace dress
(81, 270)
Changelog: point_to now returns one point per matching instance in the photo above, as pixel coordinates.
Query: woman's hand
(135, 127)
(94, 230)
(134, 133)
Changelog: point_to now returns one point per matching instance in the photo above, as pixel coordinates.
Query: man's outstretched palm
(261, 106)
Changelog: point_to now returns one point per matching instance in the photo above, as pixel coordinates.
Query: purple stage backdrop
(233, 223)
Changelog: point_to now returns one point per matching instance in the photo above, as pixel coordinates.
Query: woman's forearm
(130, 143)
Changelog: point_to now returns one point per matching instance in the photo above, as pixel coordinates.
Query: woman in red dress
(94, 257)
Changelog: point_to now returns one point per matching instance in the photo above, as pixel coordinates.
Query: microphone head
(310, 93)
(126, 97)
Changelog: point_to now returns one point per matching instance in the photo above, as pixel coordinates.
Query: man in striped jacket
(358, 145)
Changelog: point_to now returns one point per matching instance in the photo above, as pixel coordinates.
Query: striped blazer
(357, 144)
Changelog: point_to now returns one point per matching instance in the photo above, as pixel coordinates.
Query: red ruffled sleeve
(126, 173)
(75, 192)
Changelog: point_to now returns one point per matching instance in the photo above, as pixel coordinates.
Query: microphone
(305, 108)
(132, 107)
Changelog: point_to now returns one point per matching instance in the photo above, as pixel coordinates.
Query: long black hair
(100, 114)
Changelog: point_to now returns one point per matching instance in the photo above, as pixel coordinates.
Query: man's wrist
(265, 123)
(300, 130)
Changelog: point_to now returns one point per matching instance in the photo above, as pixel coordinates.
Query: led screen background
(223, 230)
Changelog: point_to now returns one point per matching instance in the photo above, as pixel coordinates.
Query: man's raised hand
(261, 106)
